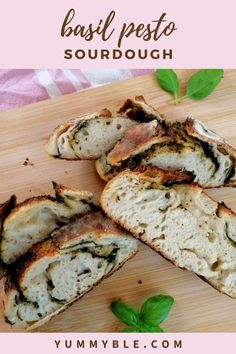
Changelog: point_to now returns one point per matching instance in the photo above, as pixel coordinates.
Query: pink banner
(57, 343)
(140, 34)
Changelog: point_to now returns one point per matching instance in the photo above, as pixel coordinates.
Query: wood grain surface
(23, 132)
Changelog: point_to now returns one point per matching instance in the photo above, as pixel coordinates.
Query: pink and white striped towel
(20, 87)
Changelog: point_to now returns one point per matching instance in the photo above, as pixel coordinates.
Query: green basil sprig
(153, 312)
(168, 81)
(203, 82)
(200, 85)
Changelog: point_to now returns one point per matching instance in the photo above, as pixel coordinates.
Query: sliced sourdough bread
(173, 146)
(33, 220)
(90, 136)
(179, 221)
(58, 271)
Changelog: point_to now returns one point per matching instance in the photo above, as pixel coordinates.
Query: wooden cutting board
(23, 131)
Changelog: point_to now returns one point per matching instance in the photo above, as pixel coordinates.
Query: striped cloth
(20, 87)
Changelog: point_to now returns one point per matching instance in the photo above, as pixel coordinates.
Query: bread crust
(139, 110)
(137, 139)
(162, 176)
(6, 208)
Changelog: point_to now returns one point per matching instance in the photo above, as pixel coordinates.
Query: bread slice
(87, 137)
(173, 146)
(34, 219)
(57, 272)
(90, 136)
(179, 221)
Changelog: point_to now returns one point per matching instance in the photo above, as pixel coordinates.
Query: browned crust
(139, 110)
(224, 210)
(27, 202)
(163, 175)
(59, 189)
(135, 139)
(105, 113)
(96, 222)
(8, 284)
(6, 208)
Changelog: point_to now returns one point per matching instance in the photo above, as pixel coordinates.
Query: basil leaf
(153, 329)
(146, 328)
(168, 80)
(203, 82)
(130, 330)
(126, 314)
(155, 309)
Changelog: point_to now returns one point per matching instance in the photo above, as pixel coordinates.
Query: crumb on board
(27, 162)
(140, 282)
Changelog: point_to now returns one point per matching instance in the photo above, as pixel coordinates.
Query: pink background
(193, 343)
(30, 32)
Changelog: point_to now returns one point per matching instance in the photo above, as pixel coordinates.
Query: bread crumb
(27, 162)
(140, 282)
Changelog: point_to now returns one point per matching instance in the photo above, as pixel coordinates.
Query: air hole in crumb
(216, 264)
(142, 224)
(99, 265)
(167, 195)
(87, 270)
(118, 126)
(85, 132)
